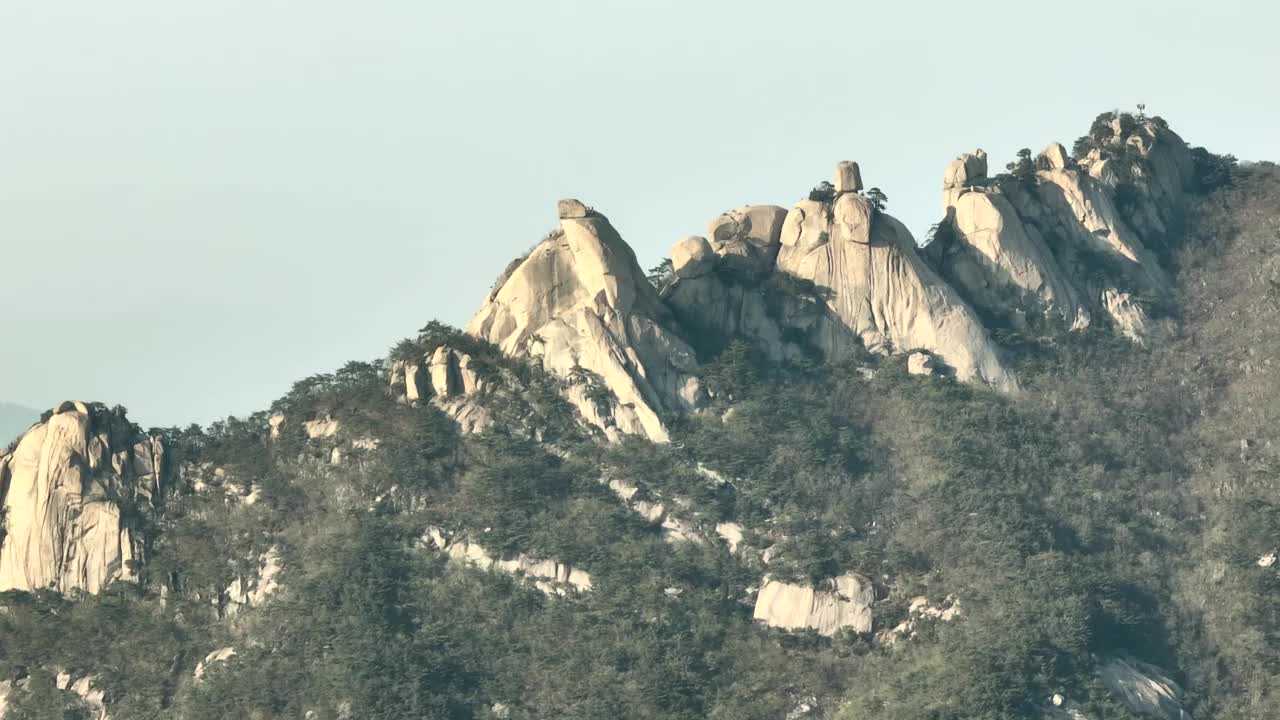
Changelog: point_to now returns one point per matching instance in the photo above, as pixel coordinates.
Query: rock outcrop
(447, 378)
(580, 302)
(737, 293)
(91, 703)
(846, 603)
(658, 512)
(746, 239)
(920, 610)
(967, 171)
(870, 278)
(252, 592)
(92, 697)
(997, 261)
(550, 577)
(692, 257)
(1075, 207)
(324, 426)
(1066, 238)
(220, 655)
(919, 363)
(65, 491)
(1144, 688)
(732, 533)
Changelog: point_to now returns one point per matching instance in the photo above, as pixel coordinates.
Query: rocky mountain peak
(581, 306)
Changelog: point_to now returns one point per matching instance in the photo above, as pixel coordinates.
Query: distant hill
(14, 420)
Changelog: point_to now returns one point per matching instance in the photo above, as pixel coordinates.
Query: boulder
(692, 257)
(61, 494)
(731, 533)
(760, 225)
(919, 363)
(870, 279)
(967, 171)
(844, 603)
(1056, 156)
(746, 239)
(92, 697)
(580, 301)
(571, 209)
(848, 177)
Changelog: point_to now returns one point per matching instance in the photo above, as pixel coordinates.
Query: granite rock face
(871, 279)
(65, 488)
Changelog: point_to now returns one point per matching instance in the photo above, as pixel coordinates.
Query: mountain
(15, 420)
(807, 468)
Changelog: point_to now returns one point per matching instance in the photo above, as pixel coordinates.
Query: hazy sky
(201, 202)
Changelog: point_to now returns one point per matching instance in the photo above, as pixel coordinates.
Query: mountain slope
(832, 531)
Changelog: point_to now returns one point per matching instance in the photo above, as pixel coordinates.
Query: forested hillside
(352, 552)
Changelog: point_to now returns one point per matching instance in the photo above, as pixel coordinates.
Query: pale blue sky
(201, 202)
